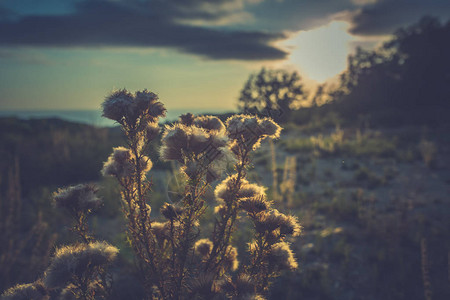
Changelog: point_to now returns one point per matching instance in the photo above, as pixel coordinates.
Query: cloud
(385, 16)
(136, 23)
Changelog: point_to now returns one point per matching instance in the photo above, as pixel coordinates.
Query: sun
(321, 53)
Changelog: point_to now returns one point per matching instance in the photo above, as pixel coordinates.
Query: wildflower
(203, 247)
(205, 285)
(170, 211)
(254, 205)
(223, 191)
(76, 260)
(35, 291)
(198, 140)
(119, 163)
(147, 102)
(270, 128)
(117, 105)
(251, 130)
(81, 197)
(122, 106)
(209, 123)
(152, 131)
(269, 220)
(187, 119)
(251, 190)
(175, 142)
(244, 284)
(290, 226)
(230, 259)
(281, 256)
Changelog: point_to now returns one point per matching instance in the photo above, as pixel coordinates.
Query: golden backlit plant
(176, 259)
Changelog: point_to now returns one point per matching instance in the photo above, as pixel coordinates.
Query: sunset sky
(69, 54)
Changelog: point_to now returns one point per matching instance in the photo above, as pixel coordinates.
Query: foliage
(404, 81)
(272, 93)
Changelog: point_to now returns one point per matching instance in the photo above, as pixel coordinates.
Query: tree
(272, 93)
(405, 80)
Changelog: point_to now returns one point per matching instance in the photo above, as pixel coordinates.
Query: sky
(70, 54)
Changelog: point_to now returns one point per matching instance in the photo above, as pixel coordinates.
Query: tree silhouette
(406, 80)
(272, 93)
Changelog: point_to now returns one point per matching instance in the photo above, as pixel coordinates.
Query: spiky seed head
(117, 105)
(174, 142)
(152, 131)
(290, 226)
(210, 123)
(203, 247)
(254, 205)
(81, 197)
(245, 284)
(282, 257)
(75, 260)
(251, 190)
(269, 220)
(187, 119)
(204, 286)
(170, 211)
(123, 106)
(119, 163)
(34, 291)
(230, 259)
(198, 140)
(270, 128)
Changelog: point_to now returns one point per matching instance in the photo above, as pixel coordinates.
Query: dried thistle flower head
(119, 163)
(34, 291)
(244, 284)
(203, 247)
(223, 191)
(123, 106)
(174, 142)
(290, 226)
(152, 131)
(187, 119)
(81, 197)
(117, 105)
(205, 286)
(251, 190)
(230, 259)
(76, 260)
(251, 130)
(170, 211)
(254, 205)
(210, 123)
(269, 220)
(282, 257)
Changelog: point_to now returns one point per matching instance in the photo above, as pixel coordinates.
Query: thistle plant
(76, 271)
(175, 258)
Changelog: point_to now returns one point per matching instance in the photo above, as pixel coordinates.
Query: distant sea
(93, 117)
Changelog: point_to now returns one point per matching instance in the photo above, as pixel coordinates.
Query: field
(373, 204)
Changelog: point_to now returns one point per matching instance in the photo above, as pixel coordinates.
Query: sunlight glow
(321, 53)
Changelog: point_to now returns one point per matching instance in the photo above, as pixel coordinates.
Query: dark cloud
(143, 24)
(385, 16)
